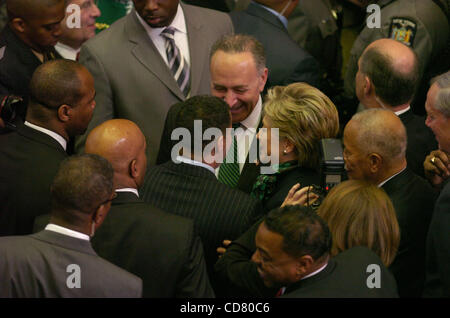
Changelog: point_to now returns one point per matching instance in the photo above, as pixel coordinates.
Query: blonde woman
(361, 214)
(303, 116)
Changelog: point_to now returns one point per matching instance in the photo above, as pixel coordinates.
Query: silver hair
(375, 136)
(442, 102)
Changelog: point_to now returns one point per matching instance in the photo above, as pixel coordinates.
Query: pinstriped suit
(219, 212)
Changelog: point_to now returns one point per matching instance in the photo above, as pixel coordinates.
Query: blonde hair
(303, 115)
(361, 214)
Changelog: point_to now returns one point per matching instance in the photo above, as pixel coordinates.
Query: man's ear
(101, 213)
(368, 87)
(18, 24)
(375, 161)
(64, 113)
(263, 79)
(304, 265)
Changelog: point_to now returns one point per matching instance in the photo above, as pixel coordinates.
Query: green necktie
(229, 172)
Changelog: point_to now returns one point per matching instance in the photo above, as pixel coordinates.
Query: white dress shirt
(398, 113)
(180, 36)
(66, 51)
(135, 191)
(66, 231)
(52, 134)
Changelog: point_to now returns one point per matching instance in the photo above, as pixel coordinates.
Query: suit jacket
(38, 266)
(413, 200)
(159, 247)
(438, 248)
(345, 275)
(218, 211)
(286, 61)
(29, 160)
(421, 141)
(132, 80)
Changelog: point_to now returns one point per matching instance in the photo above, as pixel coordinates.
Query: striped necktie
(177, 63)
(229, 171)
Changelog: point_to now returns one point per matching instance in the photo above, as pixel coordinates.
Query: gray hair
(375, 134)
(442, 102)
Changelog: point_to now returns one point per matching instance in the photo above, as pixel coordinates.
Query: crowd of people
(171, 149)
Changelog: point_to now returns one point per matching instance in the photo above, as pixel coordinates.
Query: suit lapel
(147, 54)
(199, 56)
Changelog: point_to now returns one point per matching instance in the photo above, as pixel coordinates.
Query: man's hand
(303, 196)
(221, 250)
(437, 167)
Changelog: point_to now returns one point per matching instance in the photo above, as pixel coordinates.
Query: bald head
(122, 143)
(379, 131)
(393, 70)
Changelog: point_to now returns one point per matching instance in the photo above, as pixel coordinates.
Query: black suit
(218, 211)
(438, 248)
(344, 276)
(29, 161)
(159, 247)
(421, 141)
(286, 61)
(413, 200)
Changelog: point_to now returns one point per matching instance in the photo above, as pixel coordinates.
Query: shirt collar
(50, 133)
(66, 51)
(315, 272)
(252, 121)
(382, 183)
(398, 113)
(66, 231)
(194, 163)
(135, 191)
(178, 24)
(282, 18)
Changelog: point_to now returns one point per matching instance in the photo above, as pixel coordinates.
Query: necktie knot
(168, 33)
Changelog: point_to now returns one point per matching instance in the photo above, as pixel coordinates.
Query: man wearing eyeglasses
(26, 42)
(77, 27)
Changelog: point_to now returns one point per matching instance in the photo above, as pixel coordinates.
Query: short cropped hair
(442, 102)
(303, 231)
(212, 111)
(55, 83)
(241, 43)
(361, 214)
(373, 136)
(304, 115)
(82, 184)
(392, 86)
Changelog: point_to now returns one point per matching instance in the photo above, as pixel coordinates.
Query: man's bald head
(122, 143)
(393, 69)
(379, 131)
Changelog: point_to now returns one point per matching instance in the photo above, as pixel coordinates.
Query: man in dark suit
(289, 251)
(26, 42)
(59, 261)
(438, 249)
(159, 247)
(238, 76)
(375, 145)
(61, 105)
(187, 185)
(388, 77)
(287, 62)
(165, 45)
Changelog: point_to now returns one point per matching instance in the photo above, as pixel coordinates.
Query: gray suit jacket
(38, 266)
(132, 80)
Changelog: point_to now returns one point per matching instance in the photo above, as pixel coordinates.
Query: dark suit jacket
(159, 247)
(413, 200)
(438, 248)
(132, 80)
(38, 266)
(286, 180)
(249, 172)
(218, 211)
(421, 141)
(344, 276)
(286, 61)
(29, 161)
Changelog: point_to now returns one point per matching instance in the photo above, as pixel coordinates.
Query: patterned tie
(229, 172)
(177, 63)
